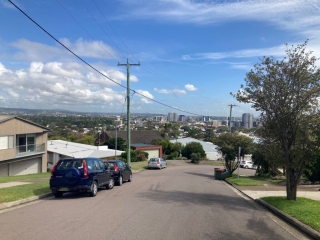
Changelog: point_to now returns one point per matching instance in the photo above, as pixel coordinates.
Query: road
(180, 202)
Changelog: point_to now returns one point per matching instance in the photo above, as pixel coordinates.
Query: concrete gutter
(313, 234)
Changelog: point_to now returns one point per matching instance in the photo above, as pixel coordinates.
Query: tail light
(54, 168)
(116, 169)
(85, 169)
(158, 162)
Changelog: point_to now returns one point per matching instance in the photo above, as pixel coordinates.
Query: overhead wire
(143, 66)
(86, 30)
(91, 65)
(102, 29)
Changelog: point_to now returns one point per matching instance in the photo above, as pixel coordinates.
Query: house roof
(4, 118)
(78, 150)
(138, 136)
(207, 146)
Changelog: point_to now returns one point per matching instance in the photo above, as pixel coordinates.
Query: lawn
(139, 165)
(243, 181)
(23, 191)
(214, 163)
(305, 210)
(268, 179)
(24, 177)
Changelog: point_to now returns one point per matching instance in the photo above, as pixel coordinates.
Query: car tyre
(58, 194)
(130, 178)
(111, 184)
(94, 189)
(120, 181)
(246, 167)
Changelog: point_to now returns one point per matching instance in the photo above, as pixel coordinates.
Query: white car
(247, 164)
(157, 163)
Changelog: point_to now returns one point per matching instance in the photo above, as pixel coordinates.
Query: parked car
(80, 175)
(121, 171)
(247, 164)
(157, 163)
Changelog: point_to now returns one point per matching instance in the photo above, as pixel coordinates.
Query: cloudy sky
(193, 53)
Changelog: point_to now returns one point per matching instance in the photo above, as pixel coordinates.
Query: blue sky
(192, 53)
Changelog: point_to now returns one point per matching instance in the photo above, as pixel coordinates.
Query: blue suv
(80, 175)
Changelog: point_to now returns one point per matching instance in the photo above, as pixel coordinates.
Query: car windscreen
(70, 163)
(154, 160)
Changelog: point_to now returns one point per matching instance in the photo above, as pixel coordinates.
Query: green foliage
(195, 157)
(229, 143)
(111, 143)
(193, 147)
(209, 135)
(86, 140)
(194, 133)
(286, 92)
(312, 173)
(172, 155)
(135, 156)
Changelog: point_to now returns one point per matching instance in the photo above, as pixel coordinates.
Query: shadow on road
(211, 176)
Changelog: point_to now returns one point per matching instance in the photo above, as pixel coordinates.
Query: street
(180, 202)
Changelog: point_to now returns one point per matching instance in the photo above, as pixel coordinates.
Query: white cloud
(144, 93)
(190, 87)
(175, 91)
(34, 51)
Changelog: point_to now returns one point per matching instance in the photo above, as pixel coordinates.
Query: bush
(193, 147)
(133, 155)
(196, 158)
(173, 155)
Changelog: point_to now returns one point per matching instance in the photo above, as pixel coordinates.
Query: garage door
(4, 170)
(25, 167)
(153, 153)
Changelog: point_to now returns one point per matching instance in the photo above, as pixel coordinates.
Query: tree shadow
(211, 176)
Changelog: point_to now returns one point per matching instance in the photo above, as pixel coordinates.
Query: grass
(214, 163)
(139, 165)
(305, 210)
(243, 181)
(11, 194)
(268, 179)
(24, 177)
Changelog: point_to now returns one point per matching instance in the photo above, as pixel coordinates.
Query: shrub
(193, 147)
(196, 158)
(133, 155)
(173, 155)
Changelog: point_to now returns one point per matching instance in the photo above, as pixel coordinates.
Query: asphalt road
(180, 202)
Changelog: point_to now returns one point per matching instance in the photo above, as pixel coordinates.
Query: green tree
(229, 143)
(111, 143)
(86, 140)
(209, 135)
(194, 133)
(193, 147)
(286, 93)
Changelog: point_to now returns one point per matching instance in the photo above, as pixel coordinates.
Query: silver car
(157, 163)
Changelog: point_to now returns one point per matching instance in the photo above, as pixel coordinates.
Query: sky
(192, 53)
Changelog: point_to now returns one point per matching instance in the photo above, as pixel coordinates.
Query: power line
(102, 28)
(86, 30)
(143, 66)
(91, 65)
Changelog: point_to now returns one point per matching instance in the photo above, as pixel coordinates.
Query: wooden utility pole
(128, 65)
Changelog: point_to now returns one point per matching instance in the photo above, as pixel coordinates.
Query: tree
(193, 147)
(194, 133)
(229, 143)
(286, 93)
(111, 143)
(209, 135)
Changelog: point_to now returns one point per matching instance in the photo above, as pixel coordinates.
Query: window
(6, 142)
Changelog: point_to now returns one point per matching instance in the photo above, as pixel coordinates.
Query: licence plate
(63, 189)
(154, 163)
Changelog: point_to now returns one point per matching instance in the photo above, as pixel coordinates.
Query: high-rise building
(182, 118)
(172, 117)
(247, 120)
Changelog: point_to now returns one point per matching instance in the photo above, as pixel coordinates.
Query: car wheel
(58, 194)
(130, 178)
(246, 167)
(94, 189)
(111, 184)
(160, 167)
(120, 180)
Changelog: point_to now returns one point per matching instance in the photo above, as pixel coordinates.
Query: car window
(153, 159)
(102, 166)
(70, 163)
(96, 164)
